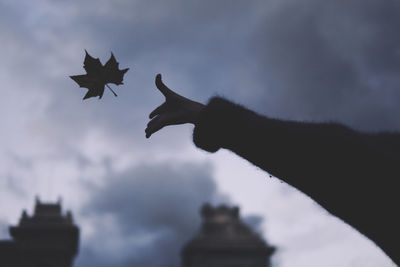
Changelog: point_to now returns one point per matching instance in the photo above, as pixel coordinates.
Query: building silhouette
(46, 239)
(225, 241)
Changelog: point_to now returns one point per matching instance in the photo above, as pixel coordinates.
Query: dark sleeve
(351, 174)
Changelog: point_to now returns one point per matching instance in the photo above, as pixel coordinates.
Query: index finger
(162, 87)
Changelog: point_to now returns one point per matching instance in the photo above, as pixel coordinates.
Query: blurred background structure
(225, 241)
(48, 238)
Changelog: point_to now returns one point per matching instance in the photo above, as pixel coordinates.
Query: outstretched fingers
(160, 109)
(154, 125)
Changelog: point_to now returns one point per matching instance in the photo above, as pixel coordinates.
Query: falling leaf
(97, 76)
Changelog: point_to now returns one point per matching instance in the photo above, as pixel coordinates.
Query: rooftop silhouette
(48, 238)
(224, 240)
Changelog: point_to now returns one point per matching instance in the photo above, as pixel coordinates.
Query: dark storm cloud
(308, 60)
(154, 209)
(196, 45)
(335, 60)
(313, 59)
(198, 39)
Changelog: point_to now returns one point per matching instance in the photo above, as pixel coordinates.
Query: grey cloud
(309, 60)
(3, 230)
(303, 60)
(193, 44)
(255, 222)
(154, 209)
(332, 60)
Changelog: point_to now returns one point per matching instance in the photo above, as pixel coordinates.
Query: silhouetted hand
(175, 110)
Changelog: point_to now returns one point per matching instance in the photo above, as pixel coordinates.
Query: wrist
(195, 110)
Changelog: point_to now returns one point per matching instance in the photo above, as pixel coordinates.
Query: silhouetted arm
(351, 174)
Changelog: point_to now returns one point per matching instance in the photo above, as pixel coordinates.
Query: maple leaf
(97, 76)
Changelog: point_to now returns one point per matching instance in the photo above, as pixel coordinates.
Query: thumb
(162, 87)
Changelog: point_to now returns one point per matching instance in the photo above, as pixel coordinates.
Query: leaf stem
(115, 94)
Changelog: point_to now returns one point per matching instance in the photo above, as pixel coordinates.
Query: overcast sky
(136, 199)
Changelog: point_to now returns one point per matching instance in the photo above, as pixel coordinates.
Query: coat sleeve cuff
(212, 129)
